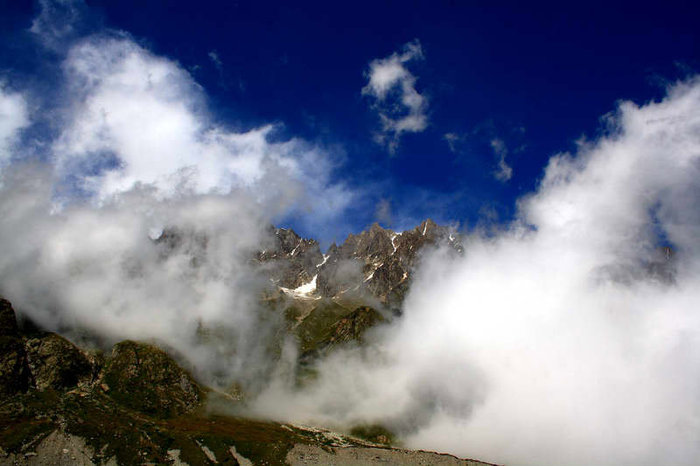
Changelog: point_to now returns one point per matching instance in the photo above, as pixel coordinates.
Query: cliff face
(62, 405)
(376, 263)
(351, 288)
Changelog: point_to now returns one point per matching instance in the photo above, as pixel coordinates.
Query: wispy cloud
(486, 136)
(401, 108)
(14, 116)
(216, 60)
(452, 140)
(57, 21)
(503, 171)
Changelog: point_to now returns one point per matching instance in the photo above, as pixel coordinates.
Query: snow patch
(307, 287)
(303, 291)
(242, 460)
(393, 239)
(209, 454)
(325, 258)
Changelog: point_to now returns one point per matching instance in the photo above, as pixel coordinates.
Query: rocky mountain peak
(377, 262)
(290, 260)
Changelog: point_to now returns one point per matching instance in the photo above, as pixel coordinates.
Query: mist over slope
(131, 150)
(552, 340)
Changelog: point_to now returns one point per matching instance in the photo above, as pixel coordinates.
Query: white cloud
(401, 108)
(552, 342)
(216, 60)
(504, 171)
(14, 116)
(452, 139)
(139, 119)
(57, 21)
(136, 150)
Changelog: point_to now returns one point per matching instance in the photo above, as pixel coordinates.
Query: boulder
(145, 378)
(56, 363)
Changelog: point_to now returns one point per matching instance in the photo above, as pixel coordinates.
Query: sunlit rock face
(376, 263)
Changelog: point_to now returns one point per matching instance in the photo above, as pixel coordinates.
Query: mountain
(137, 403)
(376, 263)
(350, 288)
(360, 283)
(63, 405)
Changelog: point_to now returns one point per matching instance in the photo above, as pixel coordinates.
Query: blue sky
(503, 86)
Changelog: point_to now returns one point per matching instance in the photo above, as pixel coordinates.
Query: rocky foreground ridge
(62, 405)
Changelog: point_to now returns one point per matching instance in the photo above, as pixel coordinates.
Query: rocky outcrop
(57, 449)
(14, 372)
(145, 378)
(41, 360)
(56, 363)
(141, 407)
(385, 259)
(290, 261)
(377, 262)
(359, 456)
(329, 327)
(8, 320)
(353, 326)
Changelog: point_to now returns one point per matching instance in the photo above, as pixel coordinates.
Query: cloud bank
(401, 108)
(137, 213)
(569, 338)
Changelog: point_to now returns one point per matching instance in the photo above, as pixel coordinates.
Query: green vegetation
(316, 327)
(115, 431)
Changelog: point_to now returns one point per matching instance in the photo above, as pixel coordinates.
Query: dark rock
(353, 326)
(56, 363)
(290, 260)
(376, 263)
(325, 329)
(339, 274)
(145, 378)
(373, 244)
(8, 320)
(374, 433)
(386, 258)
(14, 373)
